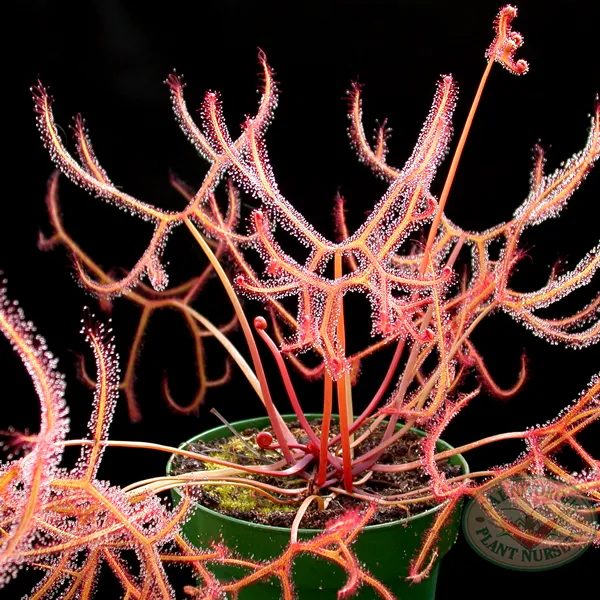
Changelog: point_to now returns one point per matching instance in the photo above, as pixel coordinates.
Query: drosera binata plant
(422, 304)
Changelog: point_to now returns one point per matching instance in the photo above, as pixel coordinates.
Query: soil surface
(234, 501)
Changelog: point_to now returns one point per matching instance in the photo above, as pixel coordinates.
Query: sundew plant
(425, 303)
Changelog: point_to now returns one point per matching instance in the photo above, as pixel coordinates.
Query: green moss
(234, 498)
(220, 455)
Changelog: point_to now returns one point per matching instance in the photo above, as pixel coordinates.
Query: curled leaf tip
(505, 44)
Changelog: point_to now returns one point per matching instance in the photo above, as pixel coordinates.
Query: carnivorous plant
(425, 303)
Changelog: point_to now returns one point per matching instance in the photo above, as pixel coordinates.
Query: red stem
(380, 392)
(327, 409)
(291, 392)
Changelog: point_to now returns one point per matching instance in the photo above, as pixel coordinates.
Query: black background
(108, 59)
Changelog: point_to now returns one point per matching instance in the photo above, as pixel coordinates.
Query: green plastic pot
(385, 550)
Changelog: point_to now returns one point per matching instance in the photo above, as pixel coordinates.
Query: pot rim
(249, 423)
